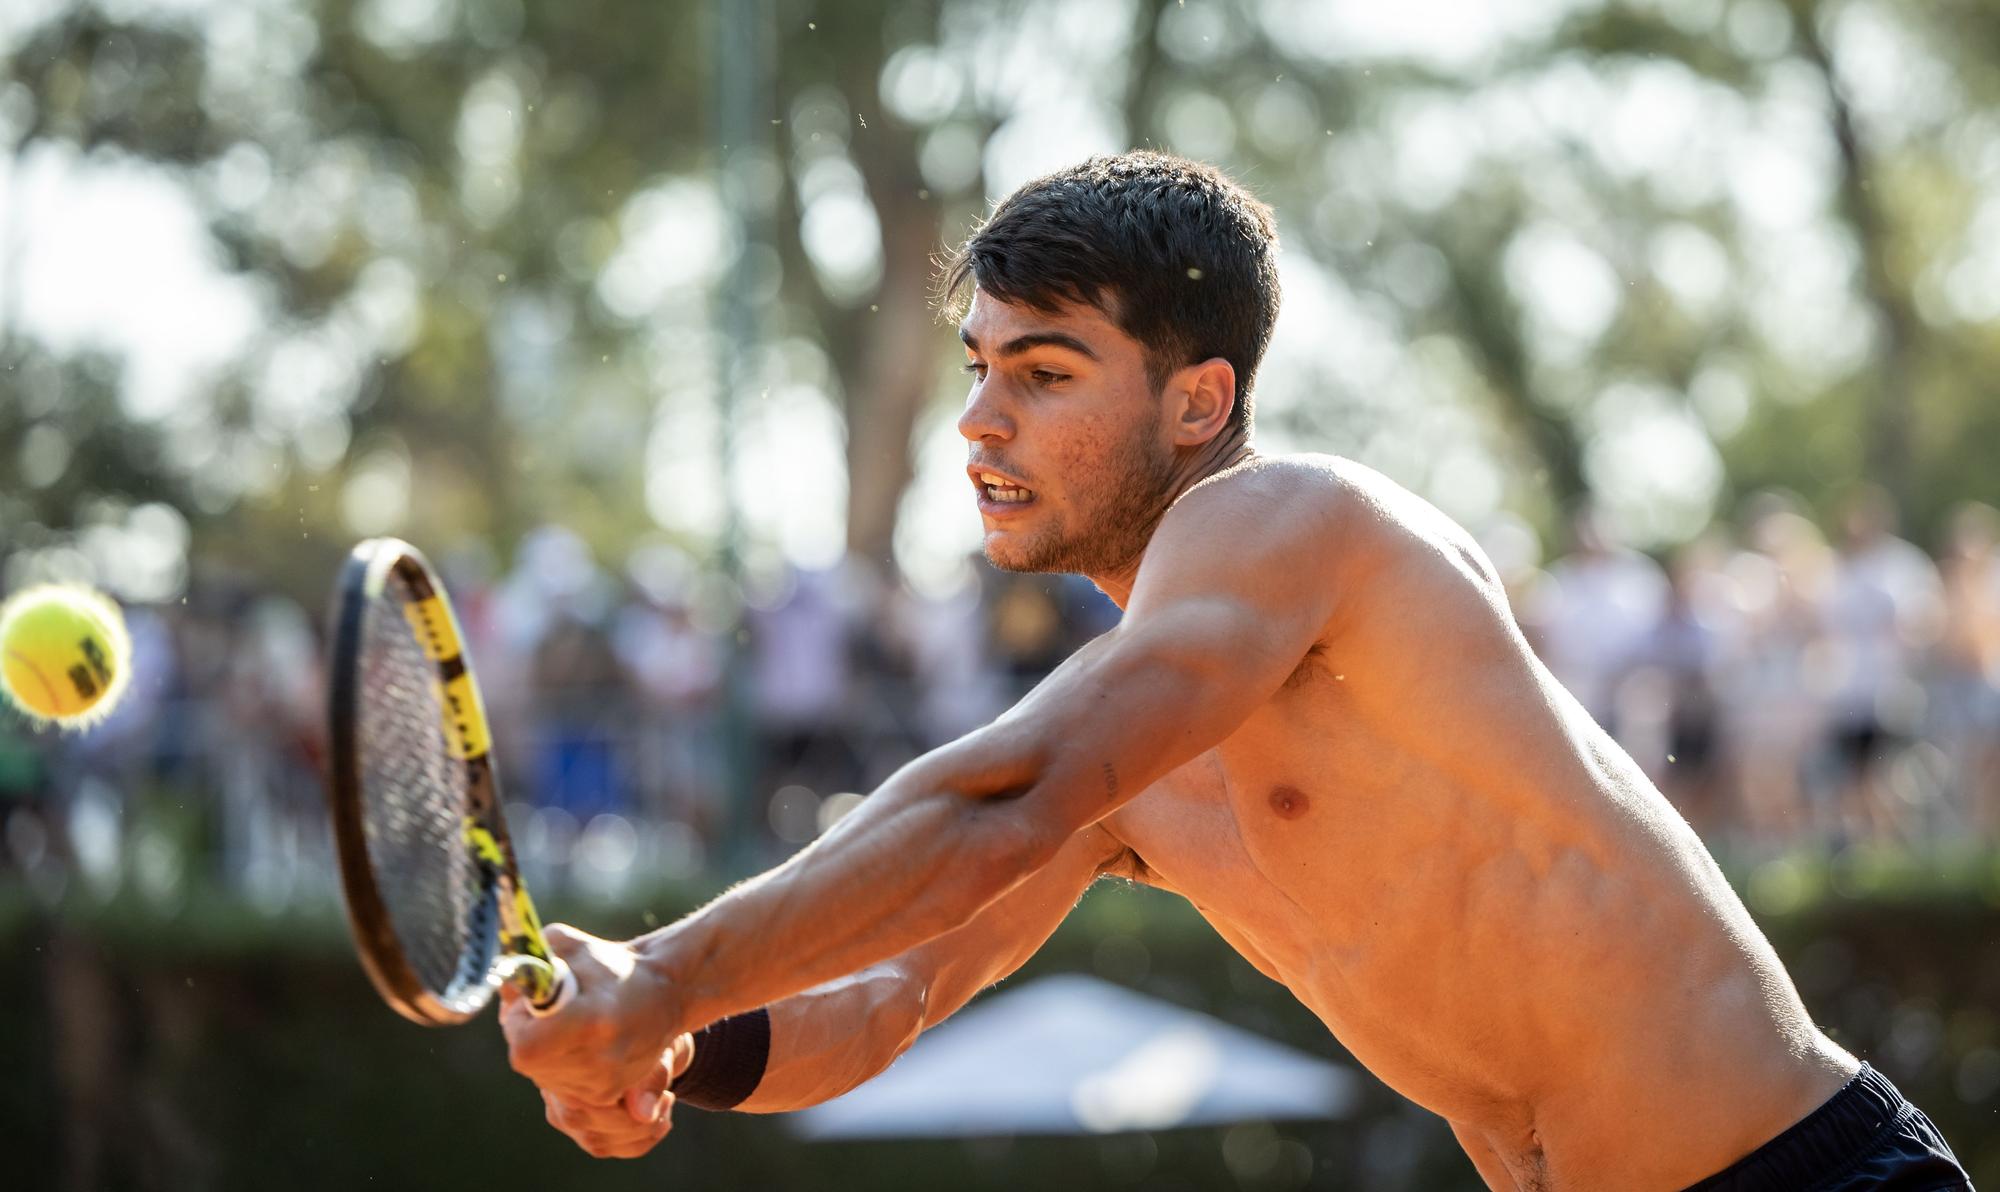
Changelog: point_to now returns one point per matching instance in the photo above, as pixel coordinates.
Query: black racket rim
(368, 915)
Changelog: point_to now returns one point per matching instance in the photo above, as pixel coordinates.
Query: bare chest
(1300, 838)
(1257, 833)
(1283, 800)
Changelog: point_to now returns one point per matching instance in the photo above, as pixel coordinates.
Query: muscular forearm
(927, 862)
(951, 832)
(832, 1038)
(827, 1040)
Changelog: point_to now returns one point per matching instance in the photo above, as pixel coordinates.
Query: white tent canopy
(1075, 1055)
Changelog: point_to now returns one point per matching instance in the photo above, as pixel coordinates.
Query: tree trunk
(1890, 412)
(888, 390)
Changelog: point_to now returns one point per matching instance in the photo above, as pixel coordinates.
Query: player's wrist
(668, 958)
(729, 1053)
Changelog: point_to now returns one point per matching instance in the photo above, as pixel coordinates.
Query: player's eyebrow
(1034, 339)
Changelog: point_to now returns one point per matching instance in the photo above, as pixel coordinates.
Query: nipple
(1289, 802)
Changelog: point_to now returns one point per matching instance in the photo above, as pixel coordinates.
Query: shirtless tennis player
(1316, 721)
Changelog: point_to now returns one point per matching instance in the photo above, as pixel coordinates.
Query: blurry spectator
(1668, 702)
(1776, 584)
(1880, 618)
(800, 682)
(677, 667)
(1594, 612)
(882, 714)
(578, 688)
(958, 687)
(552, 611)
(267, 736)
(554, 577)
(1025, 625)
(1966, 665)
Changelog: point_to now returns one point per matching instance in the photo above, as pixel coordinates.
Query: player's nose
(983, 417)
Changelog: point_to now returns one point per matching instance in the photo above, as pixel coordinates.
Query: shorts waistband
(1823, 1143)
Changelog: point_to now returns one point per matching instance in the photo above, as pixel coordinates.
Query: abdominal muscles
(1549, 973)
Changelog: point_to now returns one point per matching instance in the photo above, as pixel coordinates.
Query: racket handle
(562, 988)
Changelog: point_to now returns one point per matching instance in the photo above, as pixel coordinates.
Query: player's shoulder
(1268, 492)
(1367, 521)
(1323, 494)
(1264, 515)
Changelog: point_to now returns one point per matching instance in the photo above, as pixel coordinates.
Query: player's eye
(1044, 377)
(976, 369)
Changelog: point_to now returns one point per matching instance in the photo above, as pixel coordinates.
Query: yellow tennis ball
(64, 655)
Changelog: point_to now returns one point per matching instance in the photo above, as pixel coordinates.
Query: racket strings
(413, 801)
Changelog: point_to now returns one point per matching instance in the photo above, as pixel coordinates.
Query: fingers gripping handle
(562, 989)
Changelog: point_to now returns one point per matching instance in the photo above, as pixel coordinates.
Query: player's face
(1062, 413)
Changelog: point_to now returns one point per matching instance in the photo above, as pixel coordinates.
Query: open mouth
(1006, 492)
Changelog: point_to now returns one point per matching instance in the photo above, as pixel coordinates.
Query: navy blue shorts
(1866, 1136)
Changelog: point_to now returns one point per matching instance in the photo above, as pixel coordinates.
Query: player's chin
(1012, 551)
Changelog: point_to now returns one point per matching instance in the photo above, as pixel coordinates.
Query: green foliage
(74, 447)
(243, 1050)
(492, 161)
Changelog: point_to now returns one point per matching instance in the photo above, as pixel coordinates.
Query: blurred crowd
(650, 721)
(1786, 688)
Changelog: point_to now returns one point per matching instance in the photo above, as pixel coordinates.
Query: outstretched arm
(836, 1036)
(1234, 589)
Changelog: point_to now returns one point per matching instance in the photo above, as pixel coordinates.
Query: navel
(1289, 802)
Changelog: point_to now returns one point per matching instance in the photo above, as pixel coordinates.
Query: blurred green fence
(227, 1050)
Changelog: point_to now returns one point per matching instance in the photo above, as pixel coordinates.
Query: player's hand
(608, 1131)
(614, 1044)
(628, 1129)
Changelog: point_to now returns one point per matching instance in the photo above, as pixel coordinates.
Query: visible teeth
(999, 488)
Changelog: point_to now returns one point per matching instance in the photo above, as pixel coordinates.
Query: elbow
(1000, 845)
(894, 1001)
(902, 1017)
(1020, 841)
(892, 1018)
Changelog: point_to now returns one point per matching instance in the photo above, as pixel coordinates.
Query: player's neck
(1223, 453)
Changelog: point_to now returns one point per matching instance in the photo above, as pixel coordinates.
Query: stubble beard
(1120, 502)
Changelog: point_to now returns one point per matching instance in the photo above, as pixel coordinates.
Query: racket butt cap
(562, 990)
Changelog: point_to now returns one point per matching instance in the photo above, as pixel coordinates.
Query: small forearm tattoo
(1110, 781)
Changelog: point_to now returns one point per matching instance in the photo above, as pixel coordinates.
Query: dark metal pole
(741, 89)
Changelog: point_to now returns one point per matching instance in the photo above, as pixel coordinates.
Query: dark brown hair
(1178, 256)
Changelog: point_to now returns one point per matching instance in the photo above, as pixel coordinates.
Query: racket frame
(521, 953)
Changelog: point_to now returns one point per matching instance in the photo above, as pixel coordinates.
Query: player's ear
(1205, 396)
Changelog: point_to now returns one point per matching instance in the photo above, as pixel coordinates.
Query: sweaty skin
(1319, 723)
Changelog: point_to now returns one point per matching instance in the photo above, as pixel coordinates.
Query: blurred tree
(70, 446)
(486, 235)
(878, 335)
(1904, 186)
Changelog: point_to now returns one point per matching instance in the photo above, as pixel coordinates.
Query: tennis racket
(439, 912)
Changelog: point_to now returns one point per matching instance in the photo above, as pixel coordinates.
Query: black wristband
(729, 1059)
